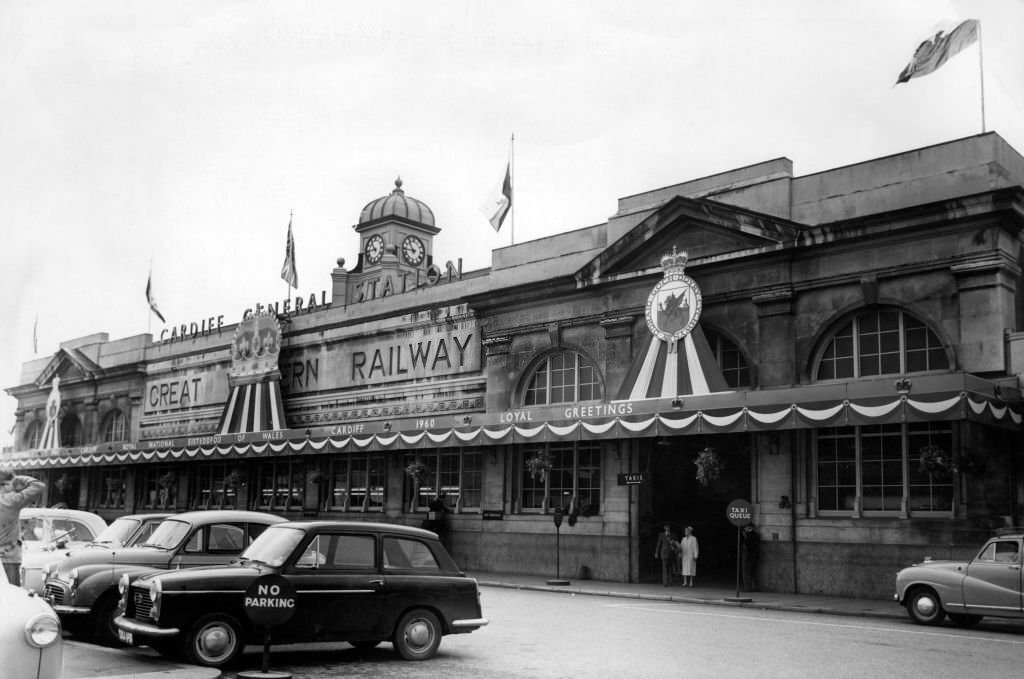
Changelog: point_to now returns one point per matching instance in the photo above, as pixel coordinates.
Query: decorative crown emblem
(674, 263)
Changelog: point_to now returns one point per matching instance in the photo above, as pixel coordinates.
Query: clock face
(374, 249)
(413, 250)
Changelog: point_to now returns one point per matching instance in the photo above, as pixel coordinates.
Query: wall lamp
(903, 385)
(387, 426)
(677, 403)
(466, 419)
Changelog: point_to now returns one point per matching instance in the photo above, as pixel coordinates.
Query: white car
(31, 646)
(49, 534)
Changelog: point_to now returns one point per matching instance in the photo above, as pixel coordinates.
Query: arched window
(71, 431)
(881, 342)
(115, 426)
(33, 434)
(563, 377)
(730, 359)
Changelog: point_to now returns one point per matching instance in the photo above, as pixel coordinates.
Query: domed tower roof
(396, 205)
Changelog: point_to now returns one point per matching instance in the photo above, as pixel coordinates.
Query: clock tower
(396, 232)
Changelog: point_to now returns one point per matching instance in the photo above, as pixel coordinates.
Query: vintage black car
(83, 587)
(359, 582)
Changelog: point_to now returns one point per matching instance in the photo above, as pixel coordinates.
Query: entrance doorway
(673, 495)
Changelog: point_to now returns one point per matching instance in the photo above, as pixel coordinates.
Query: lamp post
(558, 517)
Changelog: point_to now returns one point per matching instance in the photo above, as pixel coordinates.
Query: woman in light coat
(688, 552)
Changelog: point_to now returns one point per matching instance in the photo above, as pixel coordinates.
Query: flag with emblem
(500, 201)
(940, 48)
(149, 297)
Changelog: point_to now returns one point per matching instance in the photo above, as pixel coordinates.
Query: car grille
(55, 593)
(141, 604)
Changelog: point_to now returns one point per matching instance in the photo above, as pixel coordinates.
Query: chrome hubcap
(214, 641)
(418, 633)
(925, 606)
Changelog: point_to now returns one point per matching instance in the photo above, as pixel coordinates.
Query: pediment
(69, 366)
(701, 227)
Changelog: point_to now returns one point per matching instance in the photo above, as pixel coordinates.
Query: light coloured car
(51, 533)
(30, 636)
(989, 584)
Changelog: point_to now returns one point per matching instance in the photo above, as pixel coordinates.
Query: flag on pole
(500, 201)
(150, 300)
(35, 335)
(288, 271)
(938, 49)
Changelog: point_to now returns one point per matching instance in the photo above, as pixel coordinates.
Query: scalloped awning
(903, 408)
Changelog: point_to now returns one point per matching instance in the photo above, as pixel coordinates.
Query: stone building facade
(849, 352)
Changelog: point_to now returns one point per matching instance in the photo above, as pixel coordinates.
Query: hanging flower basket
(538, 465)
(234, 479)
(936, 461)
(317, 477)
(709, 466)
(417, 471)
(167, 480)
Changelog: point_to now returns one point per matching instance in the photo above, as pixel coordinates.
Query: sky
(181, 137)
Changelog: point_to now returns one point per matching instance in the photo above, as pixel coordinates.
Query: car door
(212, 544)
(339, 587)
(993, 581)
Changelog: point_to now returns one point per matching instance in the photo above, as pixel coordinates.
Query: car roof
(373, 526)
(146, 515)
(58, 512)
(227, 515)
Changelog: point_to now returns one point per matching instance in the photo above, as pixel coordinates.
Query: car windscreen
(168, 534)
(274, 545)
(117, 532)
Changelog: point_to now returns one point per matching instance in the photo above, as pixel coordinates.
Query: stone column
(776, 359)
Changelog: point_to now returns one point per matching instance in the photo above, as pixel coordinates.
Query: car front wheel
(418, 635)
(214, 641)
(924, 607)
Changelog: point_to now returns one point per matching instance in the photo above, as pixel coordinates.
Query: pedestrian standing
(688, 553)
(15, 493)
(750, 546)
(666, 551)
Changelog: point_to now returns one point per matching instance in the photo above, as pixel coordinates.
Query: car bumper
(469, 624)
(145, 629)
(63, 609)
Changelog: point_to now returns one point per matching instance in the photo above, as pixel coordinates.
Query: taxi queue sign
(269, 601)
(740, 514)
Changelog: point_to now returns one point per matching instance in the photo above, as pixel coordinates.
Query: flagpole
(512, 184)
(981, 76)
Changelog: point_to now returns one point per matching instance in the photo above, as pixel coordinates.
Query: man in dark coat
(666, 551)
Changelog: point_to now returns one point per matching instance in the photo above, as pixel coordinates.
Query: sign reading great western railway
(433, 350)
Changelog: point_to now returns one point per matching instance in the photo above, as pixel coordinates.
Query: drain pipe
(792, 507)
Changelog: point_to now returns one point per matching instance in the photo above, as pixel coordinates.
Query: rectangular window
(573, 479)
(215, 485)
(156, 487)
(356, 483)
(281, 485)
(879, 465)
(929, 492)
(110, 487)
(453, 476)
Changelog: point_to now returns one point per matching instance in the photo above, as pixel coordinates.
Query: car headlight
(21, 574)
(43, 630)
(155, 592)
(73, 579)
(122, 584)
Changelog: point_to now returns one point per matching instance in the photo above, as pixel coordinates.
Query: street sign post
(739, 513)
(269, 601)
(558, 517)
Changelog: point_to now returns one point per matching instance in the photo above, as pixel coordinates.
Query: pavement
(83, 660)
(710, 594)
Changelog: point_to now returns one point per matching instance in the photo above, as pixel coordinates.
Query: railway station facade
(842, 349)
